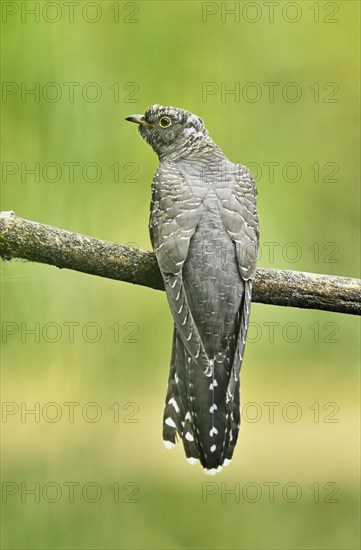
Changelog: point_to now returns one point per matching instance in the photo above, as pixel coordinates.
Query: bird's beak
(139, 119)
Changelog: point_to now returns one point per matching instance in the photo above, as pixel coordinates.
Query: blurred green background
(137, 54)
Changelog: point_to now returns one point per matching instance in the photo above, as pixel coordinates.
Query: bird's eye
(165, 122)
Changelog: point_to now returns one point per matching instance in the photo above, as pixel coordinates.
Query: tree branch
(41, 243)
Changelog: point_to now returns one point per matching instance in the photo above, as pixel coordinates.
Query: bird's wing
(175, 213)
(239, 216)
(237, 195)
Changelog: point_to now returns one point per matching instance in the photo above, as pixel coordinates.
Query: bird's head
(170, 131)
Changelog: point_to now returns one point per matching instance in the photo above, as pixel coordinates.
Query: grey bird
(204, 232)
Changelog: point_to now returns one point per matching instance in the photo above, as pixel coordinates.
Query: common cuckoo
(204, 232)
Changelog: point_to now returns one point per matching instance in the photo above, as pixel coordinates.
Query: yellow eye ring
(165, 122)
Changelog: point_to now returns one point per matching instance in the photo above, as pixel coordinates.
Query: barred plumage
(204, 231)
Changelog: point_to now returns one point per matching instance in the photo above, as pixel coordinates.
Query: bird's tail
(196, 411)
(205, 411)
(177, 419)
(233, 390)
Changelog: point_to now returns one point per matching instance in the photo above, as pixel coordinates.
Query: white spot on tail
(211, 472)
(173, 402)
(168, 444)
(170, 422)
(213, 384)
(226, 462)
(188, 416)
(213, 431)
(189, 436)
(213, 408)
(213, 448)
(191, 460)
